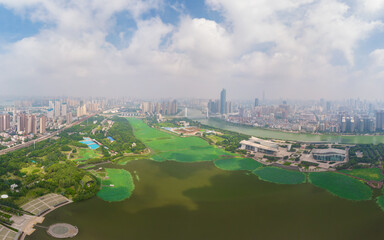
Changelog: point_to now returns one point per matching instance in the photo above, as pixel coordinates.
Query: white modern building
(259, 145)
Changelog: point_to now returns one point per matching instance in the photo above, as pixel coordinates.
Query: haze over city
(301, 49)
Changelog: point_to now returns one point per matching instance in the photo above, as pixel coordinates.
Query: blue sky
(15, 27)
(291, 49)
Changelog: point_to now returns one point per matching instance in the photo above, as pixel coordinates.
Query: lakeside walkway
(40, 207)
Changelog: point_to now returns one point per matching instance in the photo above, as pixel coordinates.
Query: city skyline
(141, 48)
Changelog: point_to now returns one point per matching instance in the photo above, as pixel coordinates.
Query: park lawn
(123, 186)
(85, 154)
(341, 185)
(279, 175)
(215, 138)
(146, 133)
(31, 169)
(232, 164)
(366, 173)
(166, 146)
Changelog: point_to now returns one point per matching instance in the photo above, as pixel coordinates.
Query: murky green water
(197, 201)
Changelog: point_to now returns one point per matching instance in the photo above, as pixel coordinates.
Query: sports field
(122, 188)
(366, 173)
(85, 154)
(341, 185)
(166, 146)
(232, 164)
(279, 175)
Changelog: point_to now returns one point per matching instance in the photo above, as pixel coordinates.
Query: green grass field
(85, 154)
(232, 164)
(31, 169)
(215, 138)
(279, 175)
(341, 185)
(123, 186)
(366, 173)
(166, 146)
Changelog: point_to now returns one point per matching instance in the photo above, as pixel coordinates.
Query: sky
(291, 49)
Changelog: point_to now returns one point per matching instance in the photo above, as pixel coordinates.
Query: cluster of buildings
(282, 153)
(219, 106)
(164, 108)
(350, 117)
(28, 119)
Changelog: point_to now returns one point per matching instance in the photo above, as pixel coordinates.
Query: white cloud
(284, 47)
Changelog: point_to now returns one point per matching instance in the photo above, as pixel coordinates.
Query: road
(27, 144)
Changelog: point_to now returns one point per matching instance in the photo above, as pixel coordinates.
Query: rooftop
(328, 151)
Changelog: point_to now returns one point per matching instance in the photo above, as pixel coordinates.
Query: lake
(189, 201)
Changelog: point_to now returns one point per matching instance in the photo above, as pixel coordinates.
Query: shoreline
(33, 223)
(293, 132)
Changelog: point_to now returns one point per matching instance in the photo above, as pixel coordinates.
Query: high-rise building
(347, 125)
(229, 107)
(57, 109)
(2, 123)
(146, 107)
(256, 102)
(50, 113)
(69, 118)
(211, 107)
(5, 122)
(31, 124)
(64, 109)
(22, 122)
(380, 120)
(43, 124)
(81, 110)
(328, 105)
(173, 107)
(223, 102)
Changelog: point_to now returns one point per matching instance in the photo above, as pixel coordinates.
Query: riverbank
(288, 136)
(297, 132)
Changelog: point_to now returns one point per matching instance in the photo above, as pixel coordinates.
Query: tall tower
(43, 124)
(256, 102)
(223, 102)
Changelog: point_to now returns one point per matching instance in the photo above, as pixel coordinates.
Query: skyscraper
(1, 123)
(256, 102)
(380, 120)
(69, 118)
(57, 109)
(43, 124)
(5, 122)
(223, 102)
(64, 109)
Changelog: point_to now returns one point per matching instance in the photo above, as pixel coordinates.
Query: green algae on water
(279, 175)
(341, 185)
(233, 164)
(118, 187)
